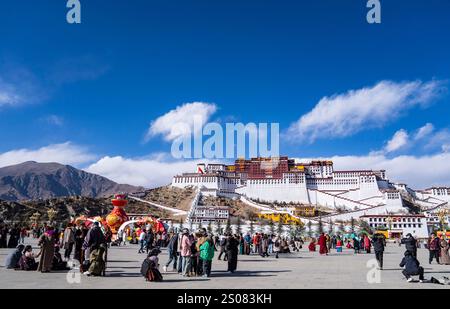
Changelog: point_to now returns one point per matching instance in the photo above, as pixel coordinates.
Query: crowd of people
(86, 244)
(190, 253)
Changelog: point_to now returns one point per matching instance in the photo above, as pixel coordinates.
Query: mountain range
(32, 181)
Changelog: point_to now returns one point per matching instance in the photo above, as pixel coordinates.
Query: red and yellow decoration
(117, 216)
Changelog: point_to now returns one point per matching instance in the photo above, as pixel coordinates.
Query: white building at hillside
(399, 225)
(315, 183)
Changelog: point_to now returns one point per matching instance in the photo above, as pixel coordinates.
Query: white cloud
(53, 120)
(180, 121)
(345, 114)
(65, 153)
(19, 86)
(424, 131)
(439, 140)
(398, 141)
(9, 95)
(147, 172)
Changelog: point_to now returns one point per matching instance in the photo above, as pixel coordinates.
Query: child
(150, 265)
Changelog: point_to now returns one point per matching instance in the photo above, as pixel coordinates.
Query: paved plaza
(294, 270)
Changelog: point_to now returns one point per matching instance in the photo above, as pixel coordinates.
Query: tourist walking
(172, 252)
(186, 252)
(379, 242)
(23, 234)
(410, 244)
(232, 252)
(433, 248)
(445, 258)
(142, 243)
(223, 242)
(247, 243)
(338, 244)
(356, 245)
(14, 235)
(47, 244)
(207, 255)
(367, 244)
(329, 243)
(180, 258)
(276, 246)
(264, 246)
(80, 234)
(68, 241)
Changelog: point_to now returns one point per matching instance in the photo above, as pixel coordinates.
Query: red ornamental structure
(117, 216)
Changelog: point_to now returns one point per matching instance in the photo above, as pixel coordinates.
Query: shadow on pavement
(243, 273)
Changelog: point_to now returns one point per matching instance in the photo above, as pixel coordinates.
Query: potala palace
(346, 193)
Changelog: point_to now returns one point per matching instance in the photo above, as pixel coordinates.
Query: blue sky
(93, 89)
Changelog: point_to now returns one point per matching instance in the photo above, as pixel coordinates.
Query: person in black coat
(232, 249)
(410, 244)
(172, 250)
(3, 236)
(412, 267)
(14, 235)
(379, 242)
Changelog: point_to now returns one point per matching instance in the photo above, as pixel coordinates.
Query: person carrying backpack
(207, 255)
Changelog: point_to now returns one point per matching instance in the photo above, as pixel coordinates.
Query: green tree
(310, 229)
(218, 227)
(238, 225)
(271, 227)
(292, 230)
(299, 229)
(280, 226)
(342, 227)
(331, 227)
(209, 228)
(228, 227)
(320, 226)
(181, 224)
(365, 227)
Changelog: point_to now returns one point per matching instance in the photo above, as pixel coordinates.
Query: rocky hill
(33, 181)
(73, 206)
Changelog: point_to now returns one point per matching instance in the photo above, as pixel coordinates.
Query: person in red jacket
(312, 245)
(433, 247)
(323, 244)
